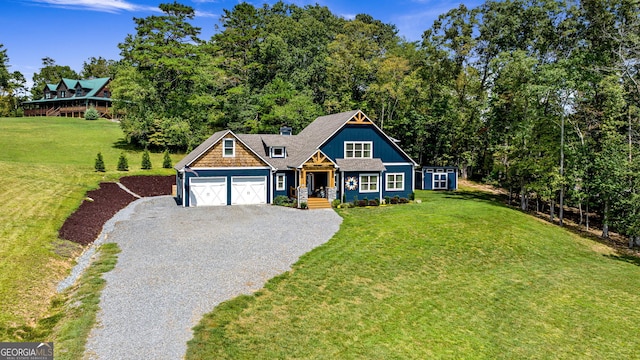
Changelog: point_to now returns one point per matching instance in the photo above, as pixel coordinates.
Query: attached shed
(439, 177)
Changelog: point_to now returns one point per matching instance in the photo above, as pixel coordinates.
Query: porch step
(318, 203)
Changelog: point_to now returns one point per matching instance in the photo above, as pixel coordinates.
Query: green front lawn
(457, 276)
(46, 166)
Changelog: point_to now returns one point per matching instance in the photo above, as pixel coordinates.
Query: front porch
(317, 182)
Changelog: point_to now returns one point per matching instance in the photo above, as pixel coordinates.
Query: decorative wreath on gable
(351, 183)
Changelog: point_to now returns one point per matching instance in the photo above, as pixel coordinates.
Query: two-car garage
(218, 190)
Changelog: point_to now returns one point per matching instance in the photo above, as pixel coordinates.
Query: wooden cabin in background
(72, 98)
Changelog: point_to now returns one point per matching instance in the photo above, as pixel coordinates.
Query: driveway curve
(178, 263)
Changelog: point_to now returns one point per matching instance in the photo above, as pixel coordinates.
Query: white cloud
(205, 14)
(111, 6)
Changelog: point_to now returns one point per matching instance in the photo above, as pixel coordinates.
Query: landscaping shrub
(91, 114)
(395, 199)
(281, 200)
(335, 203)
(99, 165)
(303, 205)
(403, 201)
(146, 160)
(387, 200)
(166, 161)
(362, 202)
(123, 163)
(374, 202)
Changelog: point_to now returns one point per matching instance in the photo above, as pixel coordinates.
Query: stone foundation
(303, 195)
(331, 194)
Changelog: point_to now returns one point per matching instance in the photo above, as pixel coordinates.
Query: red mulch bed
(85, 224)
(149, 185)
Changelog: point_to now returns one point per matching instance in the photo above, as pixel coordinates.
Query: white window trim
(358, 142)
(284, 182)
(224, 147)
(273, 153)
(377, 189)
(394, 181)
(435, 184)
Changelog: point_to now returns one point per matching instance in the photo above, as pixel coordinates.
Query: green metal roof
(71, 83)
(90, 89)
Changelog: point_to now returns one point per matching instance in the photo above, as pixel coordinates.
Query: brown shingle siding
(213, 157)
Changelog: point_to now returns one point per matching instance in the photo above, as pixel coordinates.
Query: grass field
(456, 276)
(46, 166)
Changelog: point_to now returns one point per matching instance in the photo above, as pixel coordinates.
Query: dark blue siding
(451, 177)
(407, 170)
(290, 181)
(383, 149)
(351, 195)
(451, 181)
(179, 188)
(228, 174)
(428, 181)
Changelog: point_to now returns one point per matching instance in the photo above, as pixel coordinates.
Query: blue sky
(72, 31)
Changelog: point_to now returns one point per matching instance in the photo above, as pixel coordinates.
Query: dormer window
(47, 95)
(229, 148)
(277, 152)
(63, 93)
(79, 92)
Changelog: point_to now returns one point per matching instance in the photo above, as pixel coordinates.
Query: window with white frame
(229, 148)
(368, 183)
(358, 149)
(281, 182)
(277, 152)
(395, 181)
(439, 181)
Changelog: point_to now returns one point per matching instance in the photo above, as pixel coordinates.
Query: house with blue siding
(340, 156)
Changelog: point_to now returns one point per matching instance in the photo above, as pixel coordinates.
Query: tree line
(538, 96)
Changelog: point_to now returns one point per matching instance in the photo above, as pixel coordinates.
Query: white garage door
(208, 191)
(248, 190)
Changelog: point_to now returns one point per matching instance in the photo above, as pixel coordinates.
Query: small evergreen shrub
(146, 160)
(123, 163)
(166, 161)
(303, 205)
(412, 196)
(281, 200)
(335, 203)
(99, 165)
(91, 114)
(387, 200)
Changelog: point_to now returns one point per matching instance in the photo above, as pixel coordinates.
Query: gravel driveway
(178, 263)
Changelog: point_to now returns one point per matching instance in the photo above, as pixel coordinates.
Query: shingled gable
(208, 144)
